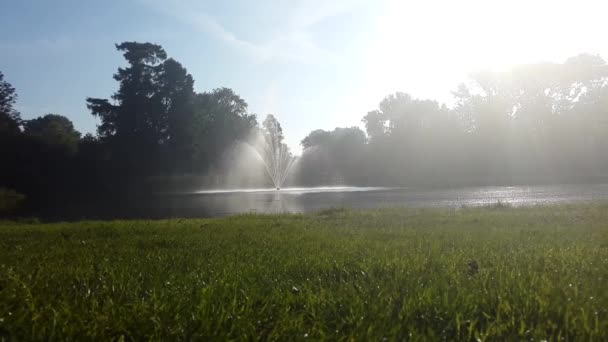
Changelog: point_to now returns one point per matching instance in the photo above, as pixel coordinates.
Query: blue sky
(313, 63)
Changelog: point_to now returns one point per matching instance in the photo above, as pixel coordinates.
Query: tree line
(154, 125)
(536, 123)
(544, 122)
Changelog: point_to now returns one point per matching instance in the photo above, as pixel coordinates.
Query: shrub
(10, 200)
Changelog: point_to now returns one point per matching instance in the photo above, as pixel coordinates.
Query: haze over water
(295, 200)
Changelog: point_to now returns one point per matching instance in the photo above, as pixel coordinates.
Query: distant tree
(220, 120)
(341, 139)
(10, 119)
(272, 128)
(375, 124)
(403, 132)
(54, 130)
(332, 157)
(317, 137)
(401, 115)
(536, 119)
(226, 114)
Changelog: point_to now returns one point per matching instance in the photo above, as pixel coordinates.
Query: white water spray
(273, 152)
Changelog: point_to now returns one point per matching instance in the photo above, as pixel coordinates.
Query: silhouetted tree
(176, 100)
(157, 125)
(10, 137)
(55, 131)
(151, 126)
(220, 120)
(9, 117)
(136, 125)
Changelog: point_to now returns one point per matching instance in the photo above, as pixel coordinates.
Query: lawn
(492, 273)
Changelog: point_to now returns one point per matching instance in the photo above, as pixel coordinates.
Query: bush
(10, 200)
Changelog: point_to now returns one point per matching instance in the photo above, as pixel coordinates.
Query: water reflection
(225, 202)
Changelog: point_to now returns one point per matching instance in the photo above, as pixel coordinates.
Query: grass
(495, 273)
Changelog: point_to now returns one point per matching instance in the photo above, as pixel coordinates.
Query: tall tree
(10, 119)
(135, 116)
(10, 137)
(175, 100)
(152, 113)
(155, 124)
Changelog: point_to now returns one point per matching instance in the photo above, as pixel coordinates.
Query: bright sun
(441, 41)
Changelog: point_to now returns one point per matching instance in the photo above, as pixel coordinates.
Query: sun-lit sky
(313, 63)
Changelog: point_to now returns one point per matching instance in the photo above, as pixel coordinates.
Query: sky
(314, 64)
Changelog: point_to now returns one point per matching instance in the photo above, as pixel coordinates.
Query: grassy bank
(486, 273)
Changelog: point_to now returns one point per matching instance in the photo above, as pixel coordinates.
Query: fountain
(273, 152)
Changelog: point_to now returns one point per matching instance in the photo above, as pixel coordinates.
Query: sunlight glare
(440, 42)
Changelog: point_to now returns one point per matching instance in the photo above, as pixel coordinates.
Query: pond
(208, 203)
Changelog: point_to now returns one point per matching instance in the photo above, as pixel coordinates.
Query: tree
(333, 156)
(536, 120)
(220, 120)
(175, 97)
(401, 115)
(272, 128)
(155, 124)
(10, 137)
(55, 131)
(150, 126)
(10, 119)
(317, 137)
(136, 116)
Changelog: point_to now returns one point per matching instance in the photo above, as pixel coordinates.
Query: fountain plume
(275, 154)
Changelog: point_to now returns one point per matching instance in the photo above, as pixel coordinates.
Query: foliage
(154, 125)
(159, 124)
(54, 130)
(153, 100)
(10, 201)
(334, 157)
(544, 122)
(221, 120)
(536, 123)
(396, 274)
(272, 128)
(10, 119)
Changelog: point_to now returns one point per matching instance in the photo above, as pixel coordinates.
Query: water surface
(220, 202)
